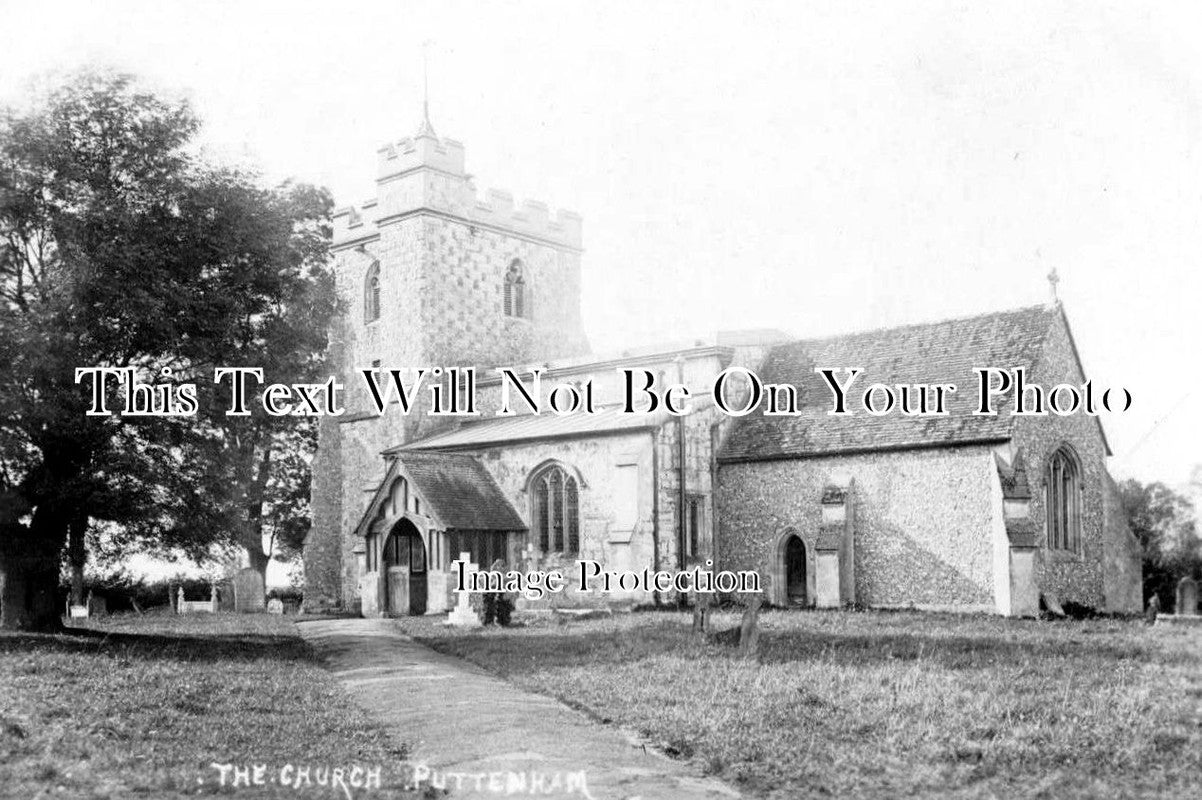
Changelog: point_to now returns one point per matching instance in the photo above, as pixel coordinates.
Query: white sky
(818, 169)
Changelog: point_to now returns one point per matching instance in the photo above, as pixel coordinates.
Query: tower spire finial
(1053, 281)
(426, 128)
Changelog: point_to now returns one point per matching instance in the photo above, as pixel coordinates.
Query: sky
(817, 168)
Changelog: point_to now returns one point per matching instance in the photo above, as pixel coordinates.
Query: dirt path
(484, 737)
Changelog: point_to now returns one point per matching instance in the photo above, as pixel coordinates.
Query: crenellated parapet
(425, 174)
(411, 153)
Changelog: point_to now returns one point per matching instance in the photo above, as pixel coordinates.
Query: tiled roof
(460, 492)
(938, 352)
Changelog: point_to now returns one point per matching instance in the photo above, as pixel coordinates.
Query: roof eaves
(434, 446)
(863, 450)
(1072, 343)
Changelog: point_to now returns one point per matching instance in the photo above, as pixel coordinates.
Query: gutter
(715, 444)
(866, 449)
(654, 511)
(682, 479)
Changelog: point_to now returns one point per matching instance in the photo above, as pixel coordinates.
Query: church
(958, 512)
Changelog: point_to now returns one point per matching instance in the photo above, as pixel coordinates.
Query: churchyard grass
(140, 706)
(878, 704)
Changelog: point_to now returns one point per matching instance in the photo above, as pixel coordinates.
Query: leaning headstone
(1187, 597)
(463, 615)
(746, 636)
(248, 591)
(275, 606)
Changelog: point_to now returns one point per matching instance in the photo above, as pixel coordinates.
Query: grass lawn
(882, 704)
(141, 706)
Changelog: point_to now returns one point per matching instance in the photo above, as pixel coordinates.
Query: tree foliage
(1164, 522)
(121, 247)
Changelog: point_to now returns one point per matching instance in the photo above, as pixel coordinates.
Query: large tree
(1164, 522)
(121, 247)
(243, 480)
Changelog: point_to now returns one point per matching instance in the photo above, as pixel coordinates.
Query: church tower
(433, 275)
(429, 275)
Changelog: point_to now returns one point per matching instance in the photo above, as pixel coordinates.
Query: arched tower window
(371, 293)
(555, 511)
(1063, 500)
(515, 290)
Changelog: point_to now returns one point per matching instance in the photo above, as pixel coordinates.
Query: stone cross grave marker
(1187, 597)
(248, 591)
(463, 615)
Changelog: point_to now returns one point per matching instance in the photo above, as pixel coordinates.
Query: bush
(286, 594)
(121, 590)
(497, 608)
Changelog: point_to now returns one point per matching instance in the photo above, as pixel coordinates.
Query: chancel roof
(932, 353)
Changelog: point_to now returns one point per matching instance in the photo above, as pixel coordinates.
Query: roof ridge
(912, 325)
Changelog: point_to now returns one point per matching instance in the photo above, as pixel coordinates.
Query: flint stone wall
(924, 521)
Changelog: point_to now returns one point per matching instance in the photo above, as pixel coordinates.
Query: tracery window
(1063, 501)
(555, 513)
(515, 290)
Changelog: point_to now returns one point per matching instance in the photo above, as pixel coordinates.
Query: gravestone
(225, 596)
(746, 636)
(275, 606)
(701, 613)
(463, 615)
(1187, 597)
(248, 591)
(1152, 611)
(749, 630)
(97, 606)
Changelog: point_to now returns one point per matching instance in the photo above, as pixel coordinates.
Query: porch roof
(458, 492)
(461, 493)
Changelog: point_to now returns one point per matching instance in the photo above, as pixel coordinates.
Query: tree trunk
(258, 560)
(29, 578)
(77, 554)
(251, 534)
